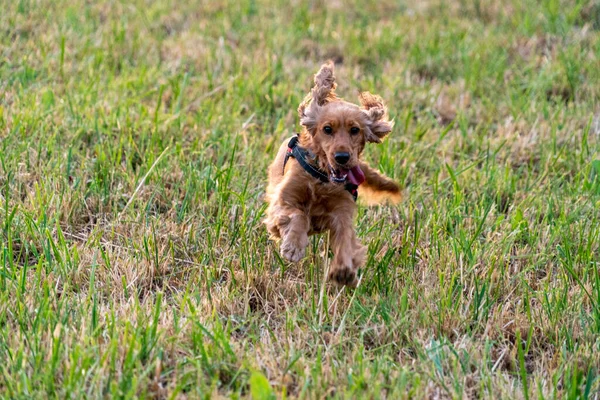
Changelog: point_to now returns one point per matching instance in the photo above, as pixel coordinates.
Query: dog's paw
(343, 276)
(291, 252)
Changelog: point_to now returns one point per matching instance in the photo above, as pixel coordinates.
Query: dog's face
(338, 129)
(340, 135)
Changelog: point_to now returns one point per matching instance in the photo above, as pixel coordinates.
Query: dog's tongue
(356, 176)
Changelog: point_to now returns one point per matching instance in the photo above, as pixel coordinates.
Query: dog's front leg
(294, 228)
(349, 254)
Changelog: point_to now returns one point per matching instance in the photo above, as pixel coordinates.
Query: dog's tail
(378, 188)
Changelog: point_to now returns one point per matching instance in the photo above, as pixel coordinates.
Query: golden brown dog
(303, 202)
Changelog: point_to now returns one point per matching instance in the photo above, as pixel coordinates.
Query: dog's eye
(327, 129)
(354, 130)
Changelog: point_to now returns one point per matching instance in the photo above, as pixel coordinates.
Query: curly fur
(299, 205)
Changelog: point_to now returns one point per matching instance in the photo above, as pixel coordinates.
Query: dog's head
(338, 130)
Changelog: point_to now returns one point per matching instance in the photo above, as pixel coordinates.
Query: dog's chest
(329, 198)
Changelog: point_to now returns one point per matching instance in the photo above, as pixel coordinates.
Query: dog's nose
(342, 158)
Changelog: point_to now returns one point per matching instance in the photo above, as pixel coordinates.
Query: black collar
(300, 154)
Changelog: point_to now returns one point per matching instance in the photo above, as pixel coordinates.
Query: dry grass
(483, 283)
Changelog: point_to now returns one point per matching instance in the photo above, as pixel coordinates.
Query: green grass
(134, 142)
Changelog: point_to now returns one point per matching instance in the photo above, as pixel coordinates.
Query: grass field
(134, 141)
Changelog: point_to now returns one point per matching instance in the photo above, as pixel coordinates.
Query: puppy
(317, 175)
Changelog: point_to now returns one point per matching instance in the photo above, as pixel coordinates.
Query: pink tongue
(356, 176)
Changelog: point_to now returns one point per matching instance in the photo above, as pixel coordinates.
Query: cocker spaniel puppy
(317, 175)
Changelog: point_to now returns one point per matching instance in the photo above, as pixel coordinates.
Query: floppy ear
(322, 93)
(379, 124)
